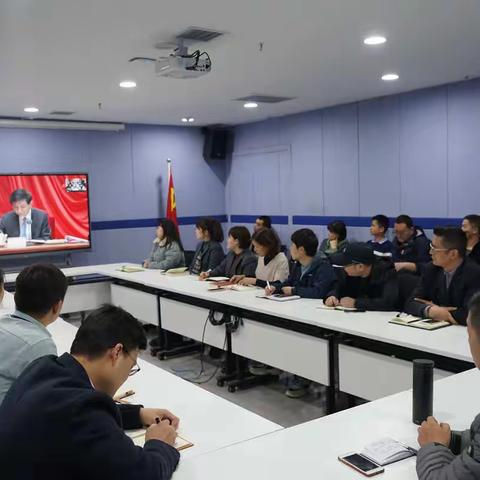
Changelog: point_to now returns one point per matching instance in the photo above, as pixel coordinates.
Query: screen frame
(54, 251)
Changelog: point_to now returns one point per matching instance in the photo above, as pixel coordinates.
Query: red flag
(171, 203)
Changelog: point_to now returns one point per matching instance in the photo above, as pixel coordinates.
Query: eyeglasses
(435, 249)
(136, 368)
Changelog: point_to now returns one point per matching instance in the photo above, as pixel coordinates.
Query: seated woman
(337, 238)
(167, 251)
(209, 253)
(240, 260)
(272, 264)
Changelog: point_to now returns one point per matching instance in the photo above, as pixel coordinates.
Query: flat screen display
(44, 213)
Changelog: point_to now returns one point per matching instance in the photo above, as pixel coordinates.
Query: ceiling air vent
(63, 113)
(198, 34)
(263, 99)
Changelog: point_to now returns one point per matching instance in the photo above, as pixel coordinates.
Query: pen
(268, 284)
(158, 420)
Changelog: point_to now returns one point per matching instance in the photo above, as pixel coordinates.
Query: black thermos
(422, 405)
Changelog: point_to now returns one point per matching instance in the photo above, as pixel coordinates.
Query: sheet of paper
(138, 437)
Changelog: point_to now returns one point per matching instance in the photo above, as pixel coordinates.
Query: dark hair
(38, 288)
(406, 219)
(266, 237)
(474, 311)
(307, 239)
(104, 328)
(2, 278)
(382, 221)
(266, 220)
(474, 220)
(453, 238)
(170, 232)
(338, 227)
(242, 235)
(19, 195)
(213, 227)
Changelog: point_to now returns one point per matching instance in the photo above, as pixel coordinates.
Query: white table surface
(207, 420)
(310, 450)
(450, 342)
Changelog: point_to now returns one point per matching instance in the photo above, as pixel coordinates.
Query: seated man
(311, 277)
(39, 294)
(59, 420)
(448, 283)
(366, 282)
(446, 455)
(410, 247)
(25, 221)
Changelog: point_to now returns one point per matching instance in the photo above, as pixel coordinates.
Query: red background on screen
(69, 210)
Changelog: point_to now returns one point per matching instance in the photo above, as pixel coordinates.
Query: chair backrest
(407, 283)
(189, 255)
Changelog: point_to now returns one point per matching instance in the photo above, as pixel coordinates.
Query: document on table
(138, 437)
(387, 450)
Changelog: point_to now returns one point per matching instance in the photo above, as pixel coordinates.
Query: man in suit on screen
(24, 220)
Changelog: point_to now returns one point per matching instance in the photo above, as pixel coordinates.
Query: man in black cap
(365, 281)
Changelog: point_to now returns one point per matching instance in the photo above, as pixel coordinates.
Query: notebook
(176, 271)
(130, 269)
(138, 437)
(217, 279)
(338, 307)
(387, 450)
(235, 288)
(417, 322)
(280, 297)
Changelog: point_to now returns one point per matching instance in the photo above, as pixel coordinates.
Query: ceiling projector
(180, 63)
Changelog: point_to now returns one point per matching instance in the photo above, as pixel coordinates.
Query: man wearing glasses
(449, 282)
(59, 419)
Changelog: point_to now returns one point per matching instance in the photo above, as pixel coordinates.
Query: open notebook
(138, 437)
(130, 269)
(417, 322)
(235, 288)
(387, 450)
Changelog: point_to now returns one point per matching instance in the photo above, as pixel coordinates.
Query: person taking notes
(272, 265)
(240, 260)
(59, 420)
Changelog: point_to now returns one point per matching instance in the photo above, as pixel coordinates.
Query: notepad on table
(417, 322)
(235, 288)
(387, 450)
(280, 297)
(138, 437)
(338, 307)
(217, 279)
(176, 271)
(130, 269)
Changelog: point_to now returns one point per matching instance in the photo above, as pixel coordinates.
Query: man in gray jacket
(447, 455)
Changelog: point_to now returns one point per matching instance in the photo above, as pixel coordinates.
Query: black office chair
(189, 256)
(407, 283)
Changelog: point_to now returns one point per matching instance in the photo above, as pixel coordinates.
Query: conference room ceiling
(70, 55)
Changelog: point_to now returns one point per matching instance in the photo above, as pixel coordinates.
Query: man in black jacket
(449, 282)
(312, 276)
(59, 421)
(365, 282)
(410, 247)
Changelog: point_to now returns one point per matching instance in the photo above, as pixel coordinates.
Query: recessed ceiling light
(250, 105)
(128, 84)
(191, 119)
(374, 40)
(31, 109)
(184, 119)
(389, 77)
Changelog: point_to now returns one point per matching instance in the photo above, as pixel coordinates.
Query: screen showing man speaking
(43, 213)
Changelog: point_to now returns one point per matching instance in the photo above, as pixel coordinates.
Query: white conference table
(207, 420)
(310, 450)
(308, 355)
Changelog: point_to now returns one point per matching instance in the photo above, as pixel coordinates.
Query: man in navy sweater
(59, 421)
